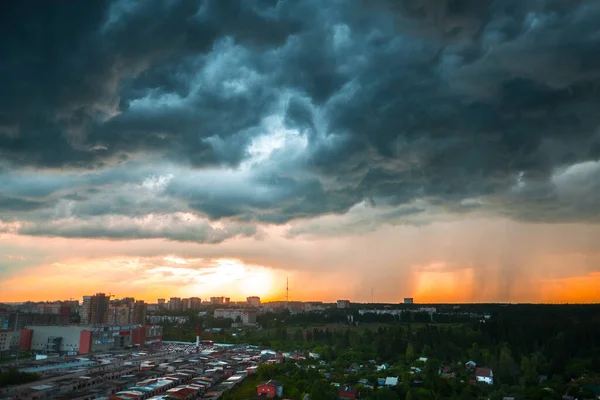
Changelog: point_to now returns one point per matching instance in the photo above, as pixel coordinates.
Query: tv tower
(287, 292)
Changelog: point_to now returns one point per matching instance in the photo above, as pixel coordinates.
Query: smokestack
(197, 339)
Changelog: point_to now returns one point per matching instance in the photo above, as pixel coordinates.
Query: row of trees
(14, 377)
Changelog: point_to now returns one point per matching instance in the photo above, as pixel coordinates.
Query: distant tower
(287, 292)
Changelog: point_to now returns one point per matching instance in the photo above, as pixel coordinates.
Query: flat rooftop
(59, 366)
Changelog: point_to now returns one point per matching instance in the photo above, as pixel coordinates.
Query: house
(470, 365)
(484, 375)
(423, 359)
(314, 355)
(365, 383)
(391, 381)
(446, 372)
(348, 393)
(270, 389)
(381, 381)
(382, 367)
(448, 375)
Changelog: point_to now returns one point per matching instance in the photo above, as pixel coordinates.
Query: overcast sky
(366, 149)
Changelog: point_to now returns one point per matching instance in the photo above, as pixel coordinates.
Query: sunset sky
(446, 150)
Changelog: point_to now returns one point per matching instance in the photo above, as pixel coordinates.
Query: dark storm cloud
(468, 104)
(64, 67)
(18, 204)
(173, 227)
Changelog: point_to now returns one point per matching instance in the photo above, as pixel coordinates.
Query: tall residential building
(216, 300)
(175, 304)
(161, 303)
(226, 300)
(408, 300)
(119, 313)
(138, 316)
(185, 304)
(6, 336)
(343, 304)
(65, 312)
(254, 301)
(195, 303)
(86, 305)
(95, 309)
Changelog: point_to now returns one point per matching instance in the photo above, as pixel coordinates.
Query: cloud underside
(202, 120)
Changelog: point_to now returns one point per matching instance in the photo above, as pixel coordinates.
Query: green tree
(410, 352)
(385, 394)
(322, 390)
(507, 367)
(528, 370)
(267, 371)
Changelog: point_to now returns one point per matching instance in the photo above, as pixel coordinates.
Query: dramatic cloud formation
(214, 120)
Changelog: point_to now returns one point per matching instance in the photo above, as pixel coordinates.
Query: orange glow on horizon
(470, 261)
(170, 276)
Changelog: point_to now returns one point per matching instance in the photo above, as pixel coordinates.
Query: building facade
(138, 315)
(119, 314)
(217, 300)
(84, 339)
(175, 304)
(95, 309)
(343, 304)
(18, 320)
(408, 300)
(195, 303)
(6, 336)
(254, 301)
(84, 311)
(244, 316)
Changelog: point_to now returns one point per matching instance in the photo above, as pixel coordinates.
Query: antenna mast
(287, 292)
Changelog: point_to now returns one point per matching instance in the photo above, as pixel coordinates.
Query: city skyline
(441, 150)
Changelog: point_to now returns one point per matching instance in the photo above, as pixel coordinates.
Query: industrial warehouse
(85, 339)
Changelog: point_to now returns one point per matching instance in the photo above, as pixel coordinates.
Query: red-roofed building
(270, 389)
(348, 393)
(484, 375)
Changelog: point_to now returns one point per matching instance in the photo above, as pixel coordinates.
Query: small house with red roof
(348, 393)
(484, 375)
(270, 389)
